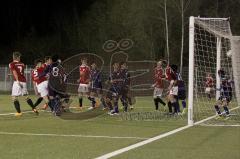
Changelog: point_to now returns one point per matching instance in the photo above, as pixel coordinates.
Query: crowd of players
(48, 79)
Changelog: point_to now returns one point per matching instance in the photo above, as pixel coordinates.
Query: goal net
(213, 53)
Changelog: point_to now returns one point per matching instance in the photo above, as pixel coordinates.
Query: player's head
(123, 65)
(48, 60)
(84, 61)
(38, 63)
(221, 73)
(115, 65)
(16, 55)
(159, 63)
(94, 65)
(55, 58)
(174, 68)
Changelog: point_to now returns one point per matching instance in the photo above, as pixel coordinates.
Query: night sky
(19, 16)
(38, 28)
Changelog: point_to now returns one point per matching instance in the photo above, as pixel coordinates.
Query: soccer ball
(229, 53)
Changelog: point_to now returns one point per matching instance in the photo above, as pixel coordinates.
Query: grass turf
(188, 143)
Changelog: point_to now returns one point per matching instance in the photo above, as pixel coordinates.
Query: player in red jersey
(40, 83)
(83, 89)
(171, 76)
(158, 84)
(19, 87)
(209, 85)
(48, 61)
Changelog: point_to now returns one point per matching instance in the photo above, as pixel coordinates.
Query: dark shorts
(53, 92)
(124, 91)
(182, 95)
(222, 98)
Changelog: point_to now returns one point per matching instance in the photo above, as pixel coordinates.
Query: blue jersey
(226, 89)
(95, 78)
(116, 84)
(181, 85)
(125, 76)
(57, 78)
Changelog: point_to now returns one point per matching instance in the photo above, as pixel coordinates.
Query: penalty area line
(142, 143)
(72, 135)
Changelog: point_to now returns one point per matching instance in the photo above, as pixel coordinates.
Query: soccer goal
(212, 47)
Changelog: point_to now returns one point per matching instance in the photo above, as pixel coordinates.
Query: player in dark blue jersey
(225, 94)
(182, 93)
(56, 84)
(95, 86)
(115, 87)
(124, 92)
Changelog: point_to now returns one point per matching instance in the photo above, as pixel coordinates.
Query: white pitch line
(139, 144)
(211, 125)
(71, 135)
(142, 143)
(24, 112)
(6, 114)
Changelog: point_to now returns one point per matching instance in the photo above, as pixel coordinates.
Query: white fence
(6, 78)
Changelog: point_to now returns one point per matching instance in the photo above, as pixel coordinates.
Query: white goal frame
(191, 66)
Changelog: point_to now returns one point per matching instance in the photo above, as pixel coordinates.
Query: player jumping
(19, 87)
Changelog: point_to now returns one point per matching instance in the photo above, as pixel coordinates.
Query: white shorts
(83, 88)
(157, 92)
(174, 91)
(208, 90)
(42, 88)
(19, 90)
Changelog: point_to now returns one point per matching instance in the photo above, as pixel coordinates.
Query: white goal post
(210, 43)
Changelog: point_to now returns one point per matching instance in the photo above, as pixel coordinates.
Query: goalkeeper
(225, 94)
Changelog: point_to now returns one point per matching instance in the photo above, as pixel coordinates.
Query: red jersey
(158, 75)
(44, 65)
(170, 74)
(35, 73)
(84, 74)
(19, 68)
(209, 81)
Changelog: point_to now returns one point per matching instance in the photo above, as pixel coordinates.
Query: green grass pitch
(49, 137)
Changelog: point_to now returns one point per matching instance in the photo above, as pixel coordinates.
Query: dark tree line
(72, 27)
